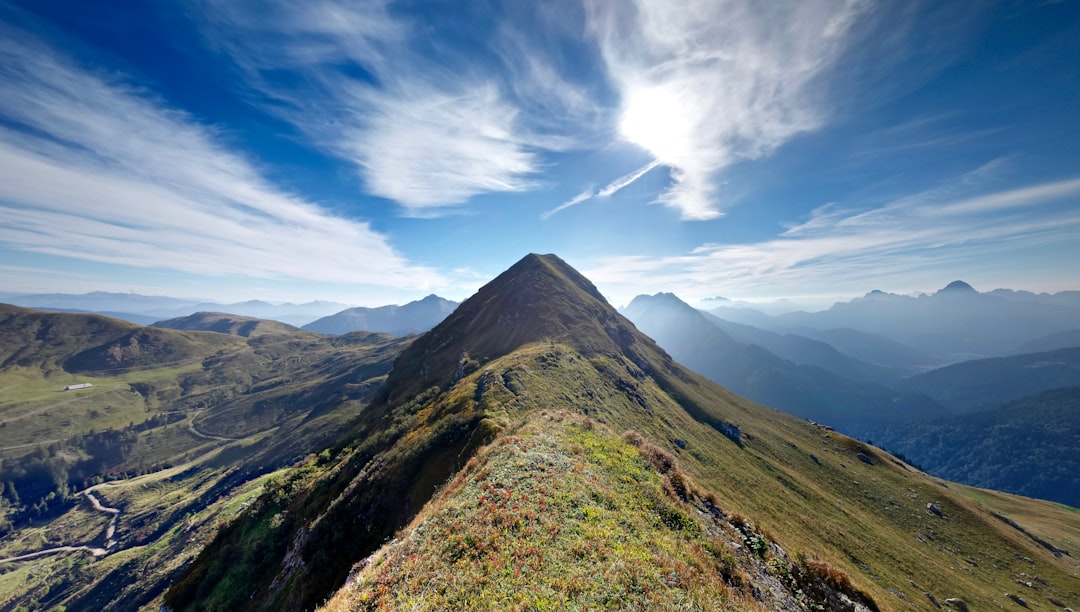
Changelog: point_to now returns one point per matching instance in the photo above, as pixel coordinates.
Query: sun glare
(656, 119)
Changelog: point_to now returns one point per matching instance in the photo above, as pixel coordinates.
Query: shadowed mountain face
(522, 399)
(1028, 446)
(810, 391)
(981, 384)
(412, 318)
(539, 298)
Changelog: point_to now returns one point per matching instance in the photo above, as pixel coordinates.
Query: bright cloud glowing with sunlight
(658, 120)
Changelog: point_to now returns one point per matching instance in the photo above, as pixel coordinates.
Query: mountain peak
(539, 298)
(958, 286)
(663, 300)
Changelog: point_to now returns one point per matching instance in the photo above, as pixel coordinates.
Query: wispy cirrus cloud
(848, 252)
(705, 84)
(611, 189)
(423, 132)
(94, 168)
(429, 149)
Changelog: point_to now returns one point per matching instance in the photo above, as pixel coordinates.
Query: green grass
(38, 411)
(168, 513)
(556, 516)
(560, 513)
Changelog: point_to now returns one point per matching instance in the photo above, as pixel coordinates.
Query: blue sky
(375, 152)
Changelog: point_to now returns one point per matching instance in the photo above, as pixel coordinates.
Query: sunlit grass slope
(560, 513)
(177, 431)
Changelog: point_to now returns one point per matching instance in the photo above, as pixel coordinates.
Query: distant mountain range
(955, 323)
(318, 316)
(146, 309)
(963, 421)
(801, 376)
(412, 318)
(979, 384)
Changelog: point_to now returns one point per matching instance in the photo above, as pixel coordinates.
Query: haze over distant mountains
(147, 309)
(319, 316)
(953, 324)
(907, 399)
(412, 318)
(801, 376)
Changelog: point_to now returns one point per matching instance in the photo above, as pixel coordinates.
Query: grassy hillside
(561, 513)
(176, 448)
(223, 323)
(49, 343)
(539, 338)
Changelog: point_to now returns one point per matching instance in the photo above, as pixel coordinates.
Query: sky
(374, 152)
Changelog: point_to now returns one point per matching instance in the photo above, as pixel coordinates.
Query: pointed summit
(540, 298)
(958, 287)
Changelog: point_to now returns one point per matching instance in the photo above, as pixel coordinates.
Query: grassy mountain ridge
(56, 342)
(224, 323)
(559, 512)
(540, 338)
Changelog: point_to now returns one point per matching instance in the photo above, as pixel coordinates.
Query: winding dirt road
(110, 533)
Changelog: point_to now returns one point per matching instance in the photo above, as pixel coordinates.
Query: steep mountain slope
(695, 340)
(541, 338)
(223, 323)
(1028, 447)
(560, 512)
(412, 318)
(979, 384)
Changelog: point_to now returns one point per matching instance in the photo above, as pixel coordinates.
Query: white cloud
(584, 196)
(419, 132)
(427, 149)
(907, 241)
(612, 188)
(707, 83)
(100, 171)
